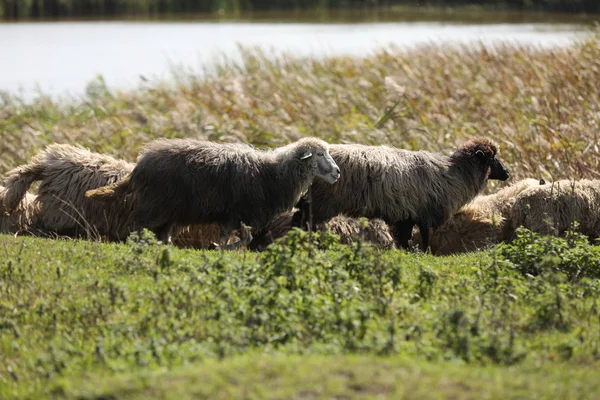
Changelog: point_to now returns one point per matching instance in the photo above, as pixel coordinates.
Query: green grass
(311, 377)
(84, 319)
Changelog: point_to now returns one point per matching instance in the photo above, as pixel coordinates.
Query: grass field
(139, 320)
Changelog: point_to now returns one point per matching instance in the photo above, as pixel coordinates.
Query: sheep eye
(320, 154)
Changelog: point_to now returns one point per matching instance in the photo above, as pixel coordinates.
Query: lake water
(61, 58)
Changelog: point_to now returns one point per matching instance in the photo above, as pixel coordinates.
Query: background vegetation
(16, 9)
(543, 107)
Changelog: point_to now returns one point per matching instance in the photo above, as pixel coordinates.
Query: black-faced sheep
(551, 209)
(348, 229)
(404, 188)
(188, 182)
(66, 172)
(478, 224)
(23, 217)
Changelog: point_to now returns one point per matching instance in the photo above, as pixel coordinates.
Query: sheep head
(315, 152)
(485, 151)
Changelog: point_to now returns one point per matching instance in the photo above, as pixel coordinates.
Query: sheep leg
(245, 235)
(424, 229)
(162, 233)
(224, 234)
(302, 217)
(402, 232)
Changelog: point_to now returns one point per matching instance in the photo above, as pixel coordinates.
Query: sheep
(66, 172)
(206, 236)
(348, 229)
(403, 187)
(376, 231)
(186, 182)
(551, 209)
(477, 224)
(22, 219)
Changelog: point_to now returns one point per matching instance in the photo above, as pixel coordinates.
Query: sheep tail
(18, 181)
(110, 193)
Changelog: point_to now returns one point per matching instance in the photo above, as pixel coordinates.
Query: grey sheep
(66, 172)
(348, 229)
(478, 224)
(187, 182)
(551, 209)
(61, 208)
(402, 187)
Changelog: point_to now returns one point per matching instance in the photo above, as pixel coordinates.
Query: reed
(542, 106)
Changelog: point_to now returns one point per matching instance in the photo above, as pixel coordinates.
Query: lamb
(478, 224)
(551, 209)
(403, 187)
(348, 229)
(186, 182)
(22, 219)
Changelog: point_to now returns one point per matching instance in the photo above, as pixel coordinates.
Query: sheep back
(349, 230)
(552, 208)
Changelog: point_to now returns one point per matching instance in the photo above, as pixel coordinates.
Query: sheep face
(497, 169)
(486, 152)
(316, 152)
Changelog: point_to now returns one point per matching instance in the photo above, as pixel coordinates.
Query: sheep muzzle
(327, 169)
(498, 170)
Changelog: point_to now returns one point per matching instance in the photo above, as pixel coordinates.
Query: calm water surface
(61, 58)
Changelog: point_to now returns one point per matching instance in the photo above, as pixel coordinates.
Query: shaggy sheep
(551, 209)
(189, 182)
(403, 187)
(66, 172)
(376, 232)
(478, 224)
(206, 236)
(348, 229)
(22, 219)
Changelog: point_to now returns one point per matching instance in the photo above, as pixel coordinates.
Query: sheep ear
(306, 155)
(480, 153)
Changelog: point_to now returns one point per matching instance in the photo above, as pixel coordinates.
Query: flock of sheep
(202, 194)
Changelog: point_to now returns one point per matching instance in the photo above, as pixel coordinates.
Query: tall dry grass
(542, 106)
